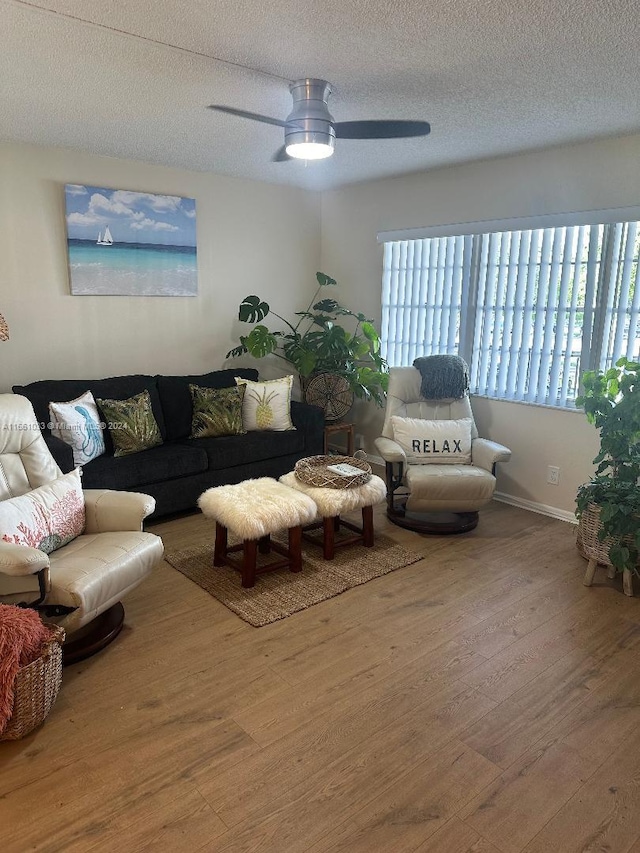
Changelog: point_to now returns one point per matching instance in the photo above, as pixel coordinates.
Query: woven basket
(36, 689)
(314, 472)
(587, 540)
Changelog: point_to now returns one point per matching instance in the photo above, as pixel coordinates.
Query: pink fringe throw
(22, 638)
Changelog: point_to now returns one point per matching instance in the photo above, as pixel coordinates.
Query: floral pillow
(78, 424)
(216, 411)
(47, 517)
(131, 424)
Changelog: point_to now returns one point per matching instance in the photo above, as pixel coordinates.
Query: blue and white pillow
(78, 424)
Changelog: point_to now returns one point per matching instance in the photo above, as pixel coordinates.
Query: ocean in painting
(132, 269)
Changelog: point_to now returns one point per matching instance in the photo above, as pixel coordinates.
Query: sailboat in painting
(105, 239)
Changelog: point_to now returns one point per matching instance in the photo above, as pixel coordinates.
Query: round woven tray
(36, 689)
(314, 472)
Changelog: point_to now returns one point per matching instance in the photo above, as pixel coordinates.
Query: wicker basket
(314, 472)
(36, 689)
(587, 540)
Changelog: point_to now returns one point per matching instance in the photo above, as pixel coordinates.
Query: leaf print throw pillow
(267, 405)
(131, 424)
(77, 423)
(216, 411)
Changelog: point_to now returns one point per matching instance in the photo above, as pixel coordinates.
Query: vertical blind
(529, 310)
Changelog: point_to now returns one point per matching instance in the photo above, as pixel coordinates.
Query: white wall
(588, 176)
(252, 238)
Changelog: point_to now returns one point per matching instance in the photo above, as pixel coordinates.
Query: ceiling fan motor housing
(310, 119)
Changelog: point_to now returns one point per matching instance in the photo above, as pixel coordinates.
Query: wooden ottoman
(253, 510)
(332, 503)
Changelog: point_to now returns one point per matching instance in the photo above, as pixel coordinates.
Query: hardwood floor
(479, 700)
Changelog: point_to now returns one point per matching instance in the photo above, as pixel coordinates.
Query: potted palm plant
(608, 507)
(338, 361)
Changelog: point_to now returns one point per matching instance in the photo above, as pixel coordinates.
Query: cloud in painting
(131, 216)
(153, 225)
(76, 189)
(85, 219)
(157, 203)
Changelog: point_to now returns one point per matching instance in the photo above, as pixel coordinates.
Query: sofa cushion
(131, 424)
(216, 411)
(41, 393)
(78, 423)
(175, 396)
(150, 466)
(227, 451)
(47, 517)
(267, 404)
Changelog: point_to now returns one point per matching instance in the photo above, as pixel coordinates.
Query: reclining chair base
(94, 636)
(439, 523)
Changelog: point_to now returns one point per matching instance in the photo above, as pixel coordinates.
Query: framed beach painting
(124, 243)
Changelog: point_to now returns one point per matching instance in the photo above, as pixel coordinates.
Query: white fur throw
(332, 502)
(256, 507)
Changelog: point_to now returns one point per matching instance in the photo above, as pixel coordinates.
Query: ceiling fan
(309, 130)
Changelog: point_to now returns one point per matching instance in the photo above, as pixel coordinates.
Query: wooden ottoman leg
(249, 551)
(367, 526)
(591, 570)
(264, 544)
(611, 572)
(627, 582)
(220, 548)
(328, 538)
(295, 548)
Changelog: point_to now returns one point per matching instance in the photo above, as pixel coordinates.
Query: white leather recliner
(434, 498)
(78, 586)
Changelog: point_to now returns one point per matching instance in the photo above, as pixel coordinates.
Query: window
(529, 310)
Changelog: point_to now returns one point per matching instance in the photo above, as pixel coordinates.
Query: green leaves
(611, 401)
(252, 310)
(326, 306)
(237, 351)
(260, 342)
(325, 280)
(319, 343)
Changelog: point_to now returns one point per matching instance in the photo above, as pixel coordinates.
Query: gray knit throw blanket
(443, 376)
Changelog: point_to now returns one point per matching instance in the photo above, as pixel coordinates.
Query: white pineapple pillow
(266, 405)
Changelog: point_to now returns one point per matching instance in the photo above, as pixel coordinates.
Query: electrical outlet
(553, 475)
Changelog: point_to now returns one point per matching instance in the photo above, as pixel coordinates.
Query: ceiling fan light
(309, 150)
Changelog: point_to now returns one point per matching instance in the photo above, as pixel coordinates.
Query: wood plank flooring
(481, 700)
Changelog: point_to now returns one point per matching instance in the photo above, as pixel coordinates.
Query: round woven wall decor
(332, 393)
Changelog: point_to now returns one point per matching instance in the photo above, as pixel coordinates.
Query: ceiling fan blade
(381, 129)
(281, 155)
(244, 114)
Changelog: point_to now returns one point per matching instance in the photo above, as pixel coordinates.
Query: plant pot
(587, 540)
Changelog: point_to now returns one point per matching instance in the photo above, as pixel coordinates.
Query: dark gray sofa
(179, 470)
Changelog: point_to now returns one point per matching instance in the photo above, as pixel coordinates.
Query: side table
(331, 429)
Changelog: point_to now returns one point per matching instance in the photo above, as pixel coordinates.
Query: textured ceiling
(133, 79)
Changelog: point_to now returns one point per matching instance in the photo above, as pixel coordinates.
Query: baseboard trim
(522, 503)
(533, 506)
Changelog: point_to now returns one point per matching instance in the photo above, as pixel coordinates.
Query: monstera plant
(318, 342)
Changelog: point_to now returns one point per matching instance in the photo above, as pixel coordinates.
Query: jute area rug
(281, 593)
